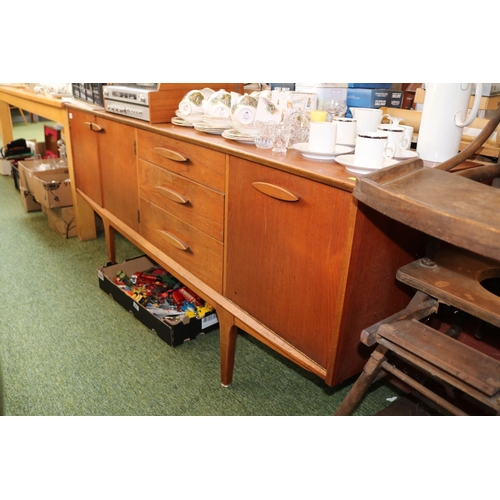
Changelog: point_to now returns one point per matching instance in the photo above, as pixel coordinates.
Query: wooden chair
(461, 216)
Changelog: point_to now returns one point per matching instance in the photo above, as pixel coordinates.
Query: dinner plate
(348, 162)
(303, 149)
(234, 135)
(406, 154)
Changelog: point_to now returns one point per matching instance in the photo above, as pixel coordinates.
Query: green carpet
(67, 348)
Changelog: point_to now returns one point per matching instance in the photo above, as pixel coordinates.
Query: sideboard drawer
(200, 164)
(195, 204)
(196, 251)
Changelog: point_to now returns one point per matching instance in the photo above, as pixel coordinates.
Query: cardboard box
(374, 98)
(29, 203)
(61, 220)
(488, 89)
(28, 168)
(51, 189)
(325, 92)
(173, 331)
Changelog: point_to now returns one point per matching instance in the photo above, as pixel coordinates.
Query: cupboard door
(119, 170)
(286, 237)
(85, 155)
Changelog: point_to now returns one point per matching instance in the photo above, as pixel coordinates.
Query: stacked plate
(236, 135)
(186, 120)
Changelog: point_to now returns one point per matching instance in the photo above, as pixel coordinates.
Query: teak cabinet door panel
(85, 155)
(284, 257)
(119, 170)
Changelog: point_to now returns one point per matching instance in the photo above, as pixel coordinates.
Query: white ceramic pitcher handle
(475, 107)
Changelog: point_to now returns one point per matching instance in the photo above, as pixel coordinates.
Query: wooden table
(55, 110)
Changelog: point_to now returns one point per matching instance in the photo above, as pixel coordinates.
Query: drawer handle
(173, 240)
(171, 195)
(171, 155)
(93, 126)
(275, 191)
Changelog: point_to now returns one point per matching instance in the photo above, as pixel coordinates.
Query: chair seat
(456, 280)
(462, 362)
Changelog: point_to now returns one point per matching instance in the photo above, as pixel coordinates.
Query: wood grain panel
(284, 258)
(85, 156)
(195, 204)
(203, 255)
(202, 165)
(119, 170)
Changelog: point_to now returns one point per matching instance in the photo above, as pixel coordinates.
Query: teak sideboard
(276, 244)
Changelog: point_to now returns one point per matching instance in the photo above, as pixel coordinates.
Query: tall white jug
(444, 117)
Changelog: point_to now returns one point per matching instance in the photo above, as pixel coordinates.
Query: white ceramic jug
(367, 119)
(444, 116)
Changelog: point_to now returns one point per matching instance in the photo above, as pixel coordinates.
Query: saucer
(181, 122)
(303, 149)
(348, 162)
(209, 130)
(189, 118)
(406, 154)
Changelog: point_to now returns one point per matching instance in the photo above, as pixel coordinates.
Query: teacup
(409, 133)
(346, 130)
(322, 137)
(245, 110)
(219, 104)
(367, 119)
(396, 134)
(393, 120)
(192, 103)
(372, 149)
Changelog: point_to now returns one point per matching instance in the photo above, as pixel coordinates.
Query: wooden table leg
(228, 335)
(109, 234)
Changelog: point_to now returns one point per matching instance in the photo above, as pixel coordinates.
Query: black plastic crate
(173, 331)
(15, 176)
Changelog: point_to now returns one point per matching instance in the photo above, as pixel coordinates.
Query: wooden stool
(454, 278)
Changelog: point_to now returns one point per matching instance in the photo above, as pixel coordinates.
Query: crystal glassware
(281, 137)
(337, 107)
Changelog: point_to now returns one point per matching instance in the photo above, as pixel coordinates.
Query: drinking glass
(337, 108)
(264, 137)
(281, 137)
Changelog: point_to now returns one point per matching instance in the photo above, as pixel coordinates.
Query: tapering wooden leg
(368, 375)
(228, 335)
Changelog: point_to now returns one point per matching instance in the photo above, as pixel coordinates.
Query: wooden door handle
(173, 240)
(94, 127)
(171, 155)
(275, 191)
(171, 195)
